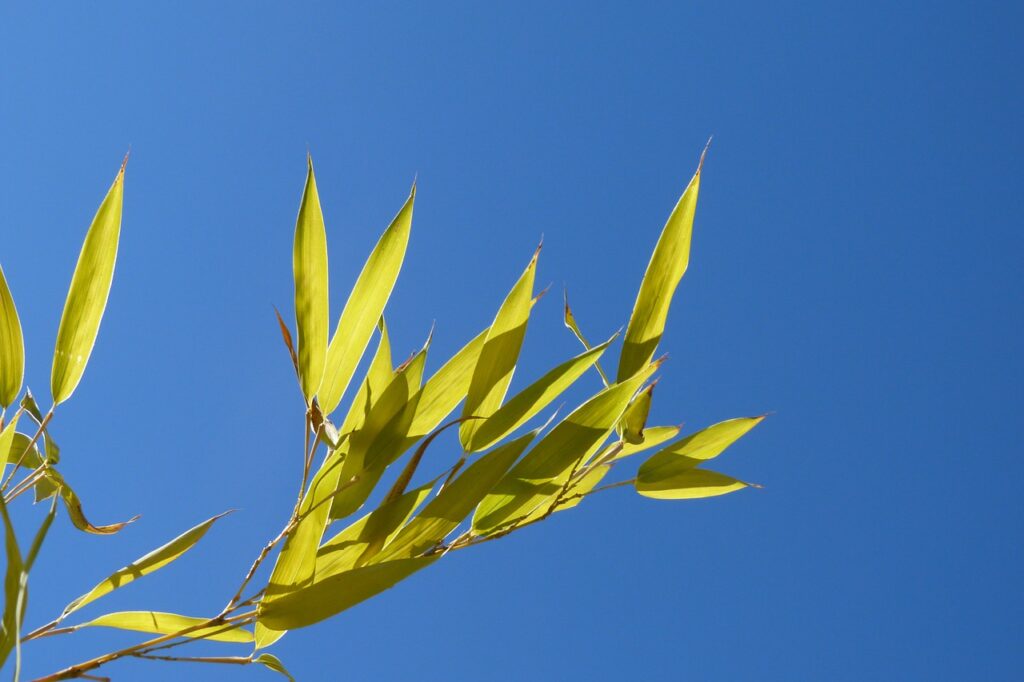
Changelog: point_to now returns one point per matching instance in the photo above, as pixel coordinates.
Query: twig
(35, 439)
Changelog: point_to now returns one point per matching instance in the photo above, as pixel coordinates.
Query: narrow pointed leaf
(635, 419)
(534, 398)
(493, 372)
(696, 448)
(145, 565)
(547, 467)
(74, 506)
(667, 266)
(12, 588)
(309, 263)
(20, 445)
(455, 502)
(337, 593)
(653, 437)
(347, 549)
(364, 307)
(687, 484)
(570, 322)
(12, 347)
(447, 387)
(87, 296)
(159, 623)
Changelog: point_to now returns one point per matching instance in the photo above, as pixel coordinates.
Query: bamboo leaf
(159, 623)
(12, 589)
(635, 418)
(74, 506)
(87, 296)
(653, 437)
(12, 347)
(534, 398)
(309, 263)
(696, 448)
(570, 322)
(11, 454)
(447, 387)
(334, 594)
(546, 468)
(145, 565)
(687, 484)
(493, 372)
(455, 501)
(273, 663)
(667, 266)
(347, 549)
(364, 307)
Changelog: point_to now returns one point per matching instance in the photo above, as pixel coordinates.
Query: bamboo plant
(510, 472)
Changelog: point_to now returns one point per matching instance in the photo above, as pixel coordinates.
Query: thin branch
(28, 448)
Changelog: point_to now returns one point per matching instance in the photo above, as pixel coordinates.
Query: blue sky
(855, 271)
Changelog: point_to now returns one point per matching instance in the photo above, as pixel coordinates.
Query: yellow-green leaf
(346, 550)
(493, 372)
(334, 594)
(11, 623)
(312, 311)
(159, 623)
(145, 565)
(364, 307)
(653, 436)
(74, 506)
(546, 468)
(446, 511)
(687, 484)
(699, 447)
(635, 418)
(573, 495)
(570, 322)
(533, 399)
(12, 347)
(446, 388)
(667, 266)
(87, 296)
(272, 662)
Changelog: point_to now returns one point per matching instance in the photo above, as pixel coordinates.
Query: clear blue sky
(856, 271)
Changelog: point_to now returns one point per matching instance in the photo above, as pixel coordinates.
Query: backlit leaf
(12, 588)
(667, 266)
(74, 506)
(334, 594)
(273, 663)
(364, 307)
(653, 437)
(12, 347)
(145, 565)
(159, 623)
(447, 387)
(533, 399)
(687, 484)
(635, 418)
(87, 296)
(546, 468)
(570, 322)
(699, 447)
(454, 503)
(309, 264)
(493, 372)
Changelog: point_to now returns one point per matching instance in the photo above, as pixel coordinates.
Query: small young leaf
(145, 565)
(667, 266)
(364, 307)
(635, 418)
(12, 347)
(273, 663)
(493, 372)
(309, 262)
(87, 296)
(570, 322)
(159, 623)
